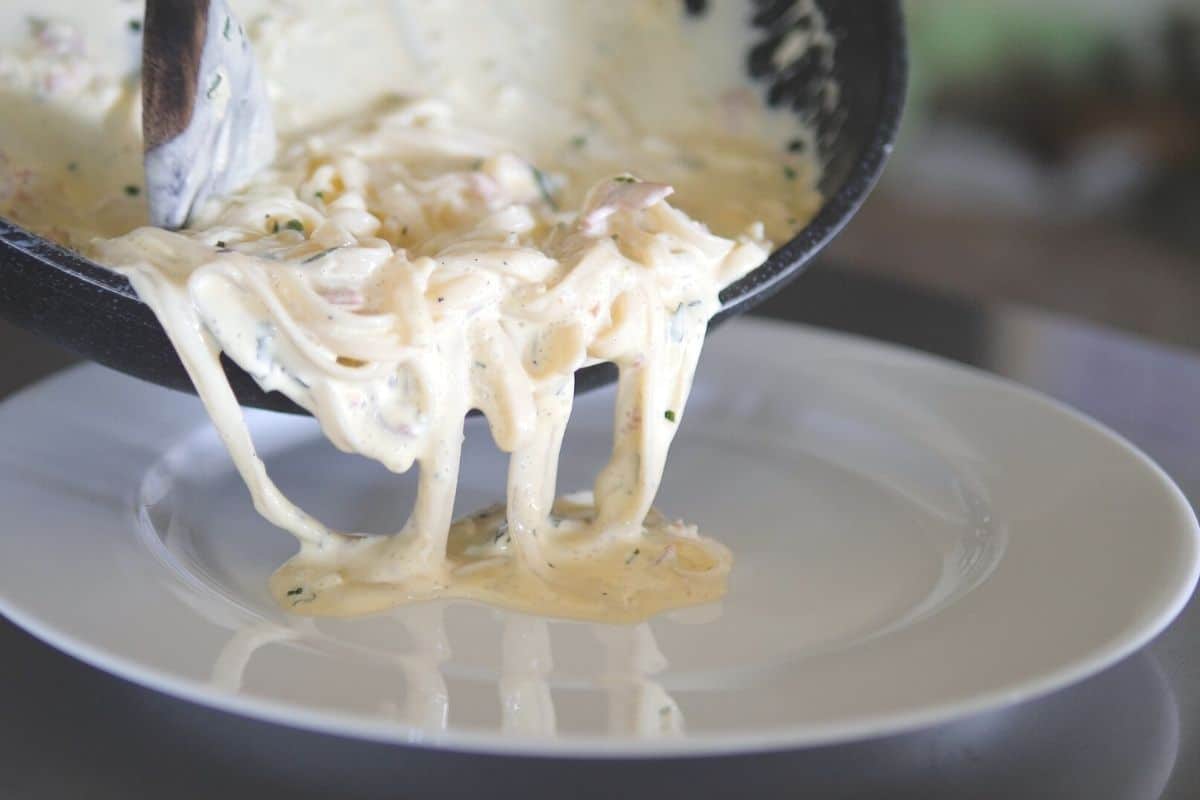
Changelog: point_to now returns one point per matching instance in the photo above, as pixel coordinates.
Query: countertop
(1133, 731)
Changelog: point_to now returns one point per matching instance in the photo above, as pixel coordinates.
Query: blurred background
(1050, 157)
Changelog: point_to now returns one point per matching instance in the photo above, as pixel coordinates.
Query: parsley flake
(543, 186)
(320, 255)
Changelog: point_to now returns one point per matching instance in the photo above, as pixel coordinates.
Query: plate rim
(784, 738)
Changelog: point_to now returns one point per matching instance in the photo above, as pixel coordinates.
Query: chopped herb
(404, 231)
(295, 225)
(320, 255)
(441, 299)
(579, 142)
(543, 187)
(625, 179)
(296, 591)
(220, 245)
(477, 165)
(792, 221)
(133, 191)
(636, 552)
(72, 166)
(616, 237)
(548, 564)
(212, 87)
(480, 365)
(227, 31)
(274, 226)
(797, 146)
(664, 711)
(670, 415)
(789, 172)
(320, 195)
(135, 25)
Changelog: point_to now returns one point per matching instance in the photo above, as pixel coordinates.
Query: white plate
(915, 541)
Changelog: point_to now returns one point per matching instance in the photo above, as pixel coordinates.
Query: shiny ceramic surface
(914, 542)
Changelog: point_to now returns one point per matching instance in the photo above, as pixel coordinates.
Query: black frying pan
(95, 313)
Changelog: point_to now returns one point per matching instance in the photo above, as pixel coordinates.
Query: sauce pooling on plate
(409, 259)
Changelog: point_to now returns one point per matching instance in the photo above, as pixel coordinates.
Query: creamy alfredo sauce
(460, 217)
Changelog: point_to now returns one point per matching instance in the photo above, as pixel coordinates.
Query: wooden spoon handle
(172, 47)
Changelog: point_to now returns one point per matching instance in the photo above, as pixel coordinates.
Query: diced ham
(484, 187)
(737, 105)
(57, 38)
(342, 296)
(619, 195)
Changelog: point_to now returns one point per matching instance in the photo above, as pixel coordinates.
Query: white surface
(928, 542)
